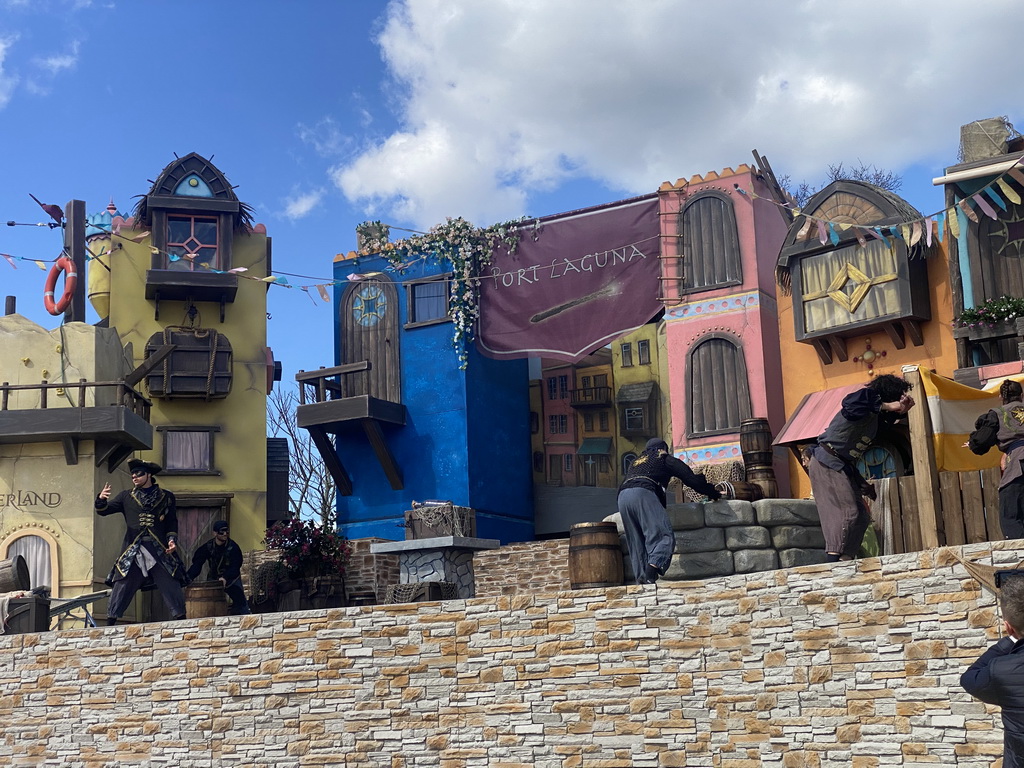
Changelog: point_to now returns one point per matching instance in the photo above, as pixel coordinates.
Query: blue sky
(327, 113)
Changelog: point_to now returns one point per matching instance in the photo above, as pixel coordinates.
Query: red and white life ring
(66, 265)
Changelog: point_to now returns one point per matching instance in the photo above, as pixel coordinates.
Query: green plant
(466, 248)
(308, 549)
(992, 312)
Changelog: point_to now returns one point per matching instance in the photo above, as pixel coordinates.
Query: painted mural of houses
(721, 234)
(592, 399)
(399, 420)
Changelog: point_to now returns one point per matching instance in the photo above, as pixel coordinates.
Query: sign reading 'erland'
(577, 282)
(29, 499)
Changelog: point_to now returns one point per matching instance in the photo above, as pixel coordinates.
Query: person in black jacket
(641, 504)
(997, 677)
(1004, 426)
(149, 550)
(224, 559)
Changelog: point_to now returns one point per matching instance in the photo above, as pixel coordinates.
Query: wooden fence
(968, 511)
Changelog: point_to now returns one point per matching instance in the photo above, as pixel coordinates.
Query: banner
(954, 408)
(577, 282)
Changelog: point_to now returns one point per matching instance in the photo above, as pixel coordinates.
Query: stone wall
(531, 567)
(849, 664)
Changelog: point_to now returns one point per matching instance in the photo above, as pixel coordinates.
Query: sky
(326, 113)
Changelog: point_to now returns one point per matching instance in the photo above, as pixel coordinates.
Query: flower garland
(467, 248)
(992, 312)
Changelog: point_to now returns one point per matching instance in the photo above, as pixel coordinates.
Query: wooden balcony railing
(590, 397)
(124, 395)
(329, 383)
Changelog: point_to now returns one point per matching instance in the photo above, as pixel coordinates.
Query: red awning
(813, 414)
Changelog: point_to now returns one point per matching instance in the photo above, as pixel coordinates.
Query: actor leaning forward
(150, 542)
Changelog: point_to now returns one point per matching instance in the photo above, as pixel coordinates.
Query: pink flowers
(309, 549)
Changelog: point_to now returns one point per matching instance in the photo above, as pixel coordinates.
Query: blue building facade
(466, 436)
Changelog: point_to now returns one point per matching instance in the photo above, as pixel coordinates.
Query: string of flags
(279, 279)
(996, 193)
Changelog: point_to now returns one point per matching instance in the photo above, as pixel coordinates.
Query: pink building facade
(721, 234)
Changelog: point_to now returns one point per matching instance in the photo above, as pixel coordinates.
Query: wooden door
(369, 331)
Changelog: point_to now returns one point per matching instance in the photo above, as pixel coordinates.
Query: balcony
(114, 415)
(591, 397)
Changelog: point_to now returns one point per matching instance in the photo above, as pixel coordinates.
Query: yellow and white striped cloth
(954, 408)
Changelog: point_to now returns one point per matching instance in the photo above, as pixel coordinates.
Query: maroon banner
(577, 282)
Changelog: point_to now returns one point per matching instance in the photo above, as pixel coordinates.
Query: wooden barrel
(764, 477)
(740, 491)
(756, 442)
(595, 556)
(14, 575)
(204, 599)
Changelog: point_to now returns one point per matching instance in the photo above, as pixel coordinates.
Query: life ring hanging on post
(66, 265)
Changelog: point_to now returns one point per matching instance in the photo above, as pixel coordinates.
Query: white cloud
(7, 81)
(301, 205)
(54, 65)
(325, 137)
(503, 99)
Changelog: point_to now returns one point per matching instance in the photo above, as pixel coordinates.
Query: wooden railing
(125, 395)
(329, 383)
(598, 396)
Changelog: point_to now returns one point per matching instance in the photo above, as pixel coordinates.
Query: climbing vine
(466, 248)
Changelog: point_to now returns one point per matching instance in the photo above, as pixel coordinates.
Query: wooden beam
(838, 344)
(380, 448)
(895, 333)
(74, 246)
(149, 364)
(926, 478)
(823, 350)
(914, 331)
(331, 461)
(70, 444)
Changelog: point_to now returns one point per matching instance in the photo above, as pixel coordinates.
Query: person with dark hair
(150, 544)
(224, 560)
(641, 503)
(838, 487)
(1004, 427)
(997, 677)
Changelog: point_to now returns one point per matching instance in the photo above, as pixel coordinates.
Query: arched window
(717, 393)
(710, 245)
(40, 553)
(627, 460)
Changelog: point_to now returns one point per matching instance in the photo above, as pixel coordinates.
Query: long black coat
(997, 677)
(225, 561)
(153, 528)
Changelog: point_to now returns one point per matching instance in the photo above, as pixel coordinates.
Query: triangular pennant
(9, 260)
(822, 232)
(268, 279)
(940, 226)
(928, 229)
(139, 237)
(156, 252)
(845, 225)
(804, 230)
(42, 266)
(915, 233)
(994, 196)
(833, 236)
(860, 237)
(282, 281)
(322, 290)
(1010, 192)
(236, 270)
(877, 232)
(955, 221)
(905, 232)
(1017, 176)
(965, 206)
(983, 204)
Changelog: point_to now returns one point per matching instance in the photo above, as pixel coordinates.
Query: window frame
(410, 301)
(193, 217)
(743, 386)
(728, 240)
(643, 352)
(164, 431)
(626, 354)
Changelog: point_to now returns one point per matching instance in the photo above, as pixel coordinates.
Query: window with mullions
(427, 301)
(192, 243)
(552, 388)
(643, 351)
(627, 355)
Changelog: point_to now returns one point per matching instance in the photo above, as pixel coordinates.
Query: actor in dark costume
(1004, 426)
(997, 677)
(150, 542)
(642, 507)
(838, 487)
(224, 559)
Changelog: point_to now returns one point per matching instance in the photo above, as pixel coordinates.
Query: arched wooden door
(369, 331)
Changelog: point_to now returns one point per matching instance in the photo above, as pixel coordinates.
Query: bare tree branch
(880, 177)
(311, 489)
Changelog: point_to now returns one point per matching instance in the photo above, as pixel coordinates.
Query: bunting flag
(994, 197)
(954, 222)
(10, 259)
(822, 232)
(915, 233)
(953, 409)
(322, 290)
(804, 230)
(833, 236)
(1008, 192)
(965, 206)
(985, 207)
(41, 265)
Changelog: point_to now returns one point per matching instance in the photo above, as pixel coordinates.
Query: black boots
(652, 574)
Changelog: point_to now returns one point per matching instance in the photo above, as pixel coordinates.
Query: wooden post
(10, 305)
(74, 244)
(926, 476)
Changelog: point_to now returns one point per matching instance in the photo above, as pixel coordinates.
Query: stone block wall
(848, 664)
(527, 568)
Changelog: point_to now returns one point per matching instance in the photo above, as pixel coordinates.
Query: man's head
(143, 472)
(1011, 391)
(1011, 599)
(890, 387)
(656, 444)
(220, 531)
